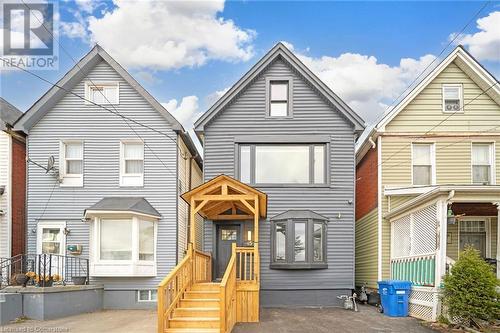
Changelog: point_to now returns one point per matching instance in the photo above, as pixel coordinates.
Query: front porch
(188, 297)
(429, 231)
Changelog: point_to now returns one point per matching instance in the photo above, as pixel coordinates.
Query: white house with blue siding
(120, 162)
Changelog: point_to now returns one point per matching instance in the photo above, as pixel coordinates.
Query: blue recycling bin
(394, 296)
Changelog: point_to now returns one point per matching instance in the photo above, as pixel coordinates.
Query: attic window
(452, 98)
(102, 93)
(279, 92)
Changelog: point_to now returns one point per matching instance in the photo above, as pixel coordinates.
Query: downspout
(370, 140)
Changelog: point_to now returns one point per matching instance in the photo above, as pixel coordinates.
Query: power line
(458, 35)
(115, 110)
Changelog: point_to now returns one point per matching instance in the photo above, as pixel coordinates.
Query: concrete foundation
(302, 298)
(125, 299)
(11, 307)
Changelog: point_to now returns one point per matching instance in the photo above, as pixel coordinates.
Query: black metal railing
(43, 270)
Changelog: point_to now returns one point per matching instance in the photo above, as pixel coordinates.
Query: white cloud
(485, 44)
(73, 29)
(186, 112)
(169, 35)
(362, 82)
(214, 97)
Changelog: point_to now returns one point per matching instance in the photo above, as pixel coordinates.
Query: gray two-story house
(283, 131)
(117, 162)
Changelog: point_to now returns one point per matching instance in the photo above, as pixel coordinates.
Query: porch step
(192, 322)
(201, 294)
(200, 303)
(192, 330)
(206, 286)
(197, 312)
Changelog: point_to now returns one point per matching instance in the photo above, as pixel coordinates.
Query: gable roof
(74, 76)
(279, 50)
(8, 114)
(465, 61)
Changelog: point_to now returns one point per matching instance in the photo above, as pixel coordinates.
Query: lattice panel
(423, 303)
(401, 237)
(424, 231)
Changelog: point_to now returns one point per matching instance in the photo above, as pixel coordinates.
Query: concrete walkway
(272, 321)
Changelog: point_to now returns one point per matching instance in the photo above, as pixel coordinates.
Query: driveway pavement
(325, 320)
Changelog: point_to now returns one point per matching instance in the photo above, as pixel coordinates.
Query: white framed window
(131, 163)
(71, 163)
(102, 92)
(483, 163)
(123, 246)
(278, 98)
(147, 295)
(423, 164)
(452, 98)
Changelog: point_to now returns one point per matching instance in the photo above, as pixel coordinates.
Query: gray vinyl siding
(101, 132)
(245, 116)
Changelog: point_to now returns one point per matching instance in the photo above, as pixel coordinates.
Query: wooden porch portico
(188, 300)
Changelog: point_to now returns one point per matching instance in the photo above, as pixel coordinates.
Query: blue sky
(187, 54)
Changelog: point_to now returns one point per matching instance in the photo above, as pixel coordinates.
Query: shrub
(469, 292)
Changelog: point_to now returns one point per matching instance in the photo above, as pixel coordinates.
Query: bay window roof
(299, 214)
(131, 205)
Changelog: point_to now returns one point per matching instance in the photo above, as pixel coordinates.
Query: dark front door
(226, 236)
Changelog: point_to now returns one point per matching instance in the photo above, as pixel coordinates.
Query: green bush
(469, 292)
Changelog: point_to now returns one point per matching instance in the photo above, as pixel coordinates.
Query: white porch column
(498, 239)
(442, 228)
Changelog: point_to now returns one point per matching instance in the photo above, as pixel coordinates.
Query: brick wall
(18, 196)
(366, 184)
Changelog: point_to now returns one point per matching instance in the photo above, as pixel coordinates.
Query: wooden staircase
(198, 311)
(189, 303)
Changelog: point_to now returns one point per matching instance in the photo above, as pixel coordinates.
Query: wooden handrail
(172, 287)
(227, 313)
(203, 266)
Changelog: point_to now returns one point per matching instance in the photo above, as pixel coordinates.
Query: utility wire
(116, 112)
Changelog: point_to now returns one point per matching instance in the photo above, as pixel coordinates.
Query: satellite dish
(50, 163)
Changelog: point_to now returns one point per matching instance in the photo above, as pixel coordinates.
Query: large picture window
(298, 240)
(290, 164)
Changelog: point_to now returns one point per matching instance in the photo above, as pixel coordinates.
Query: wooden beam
(200, 206)
(229, 217)
(234, 197)
(256, 220)
(245, 202)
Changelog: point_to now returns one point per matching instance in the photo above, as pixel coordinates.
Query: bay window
(298, 240)
(289, 164)
(482, 163)
(123, 246)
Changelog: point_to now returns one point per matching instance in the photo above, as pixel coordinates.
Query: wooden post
(161, 309)
(192, 227)
(256, 220)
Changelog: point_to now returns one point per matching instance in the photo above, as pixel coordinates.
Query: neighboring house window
(482, 163)
(270, 164)
(124, 247)
(452, 98)
(298, 241)
(51, 238)
(102, 93)
(423, 163)
(132, 163)
(147, 295)
(71, 159)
